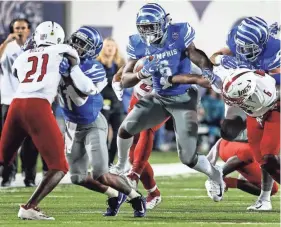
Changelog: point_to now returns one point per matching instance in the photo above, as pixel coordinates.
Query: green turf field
(185, 203)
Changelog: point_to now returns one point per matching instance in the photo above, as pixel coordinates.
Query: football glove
(229, 62)
(149, 68)
(64, 67)
(274, 28)
(118, 90)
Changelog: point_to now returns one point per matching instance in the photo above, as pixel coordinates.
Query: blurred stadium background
(211, 20)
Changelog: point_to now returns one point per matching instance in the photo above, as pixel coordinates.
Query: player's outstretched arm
(198, 57)
(128, 78)
(190, 79)
(223, 51)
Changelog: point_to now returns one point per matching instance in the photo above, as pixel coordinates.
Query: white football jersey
(38, 71)
(143, 88)
(9, 83)
(264, 97)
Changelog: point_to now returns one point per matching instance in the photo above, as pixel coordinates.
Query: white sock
(133, 194)
(123, 146)
(204, 166)
(111, 192)
(152, 189)
(265, 195)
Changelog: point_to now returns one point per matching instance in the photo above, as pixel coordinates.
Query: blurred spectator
(10, 49)
(214, 113)
(111, 59)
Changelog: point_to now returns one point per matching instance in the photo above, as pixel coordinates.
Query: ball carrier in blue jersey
(87, 129)
(169, 44)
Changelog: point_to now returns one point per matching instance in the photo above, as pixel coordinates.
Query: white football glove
(101, 85)
(118, 90)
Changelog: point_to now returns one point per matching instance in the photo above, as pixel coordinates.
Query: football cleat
(114, 204)
(214, 190)
(118, 170)
(152, 201)
(33, 214)
(139, 206)
(260, 205)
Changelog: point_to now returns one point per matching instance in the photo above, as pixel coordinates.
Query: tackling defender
(30, 112)
(237, 156)
(87, 129)
(168, 44)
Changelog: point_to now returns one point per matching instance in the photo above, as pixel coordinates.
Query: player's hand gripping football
(149, 68)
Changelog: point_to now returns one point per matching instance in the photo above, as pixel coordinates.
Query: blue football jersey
(92, 105)
(269, 58)
(170, 53)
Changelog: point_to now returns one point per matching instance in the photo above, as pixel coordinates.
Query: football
(140, 63)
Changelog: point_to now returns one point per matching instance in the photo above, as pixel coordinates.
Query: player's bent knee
(99, 172)
(270, 162)
(61, 167)
(231, 128)
(189, 160)
(78, 179)
(123, 133)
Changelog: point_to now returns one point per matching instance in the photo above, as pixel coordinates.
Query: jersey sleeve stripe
(130, 47)
(189, 37)
(131, 55)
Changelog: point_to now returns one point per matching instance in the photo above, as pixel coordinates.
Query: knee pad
(231, 128)
(77, 179)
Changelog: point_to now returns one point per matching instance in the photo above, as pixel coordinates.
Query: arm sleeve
(188, 34)
(95, 72)
(135, 48)
(82, 82)
(275, 61)
(67, 49)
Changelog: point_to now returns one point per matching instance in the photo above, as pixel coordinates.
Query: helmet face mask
(85, 45)
(150, 32)
(249, 51)
(152, 22)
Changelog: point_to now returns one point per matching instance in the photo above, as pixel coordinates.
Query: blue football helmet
(87, 41)
(152, 22)
(251, 38)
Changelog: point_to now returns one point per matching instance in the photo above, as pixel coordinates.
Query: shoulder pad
(135, 47)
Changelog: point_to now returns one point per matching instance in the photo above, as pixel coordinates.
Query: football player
(237, 156)
(30, 112)
(256, 93)
(168, 44)
(143, 142)
(87, 129)
(252, 45)
(141, 147)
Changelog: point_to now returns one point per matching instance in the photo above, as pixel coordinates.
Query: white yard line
(160, 170)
